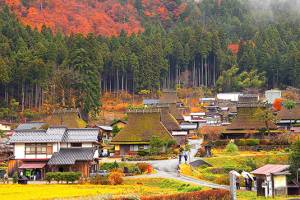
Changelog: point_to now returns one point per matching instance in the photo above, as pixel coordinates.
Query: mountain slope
(103, 17)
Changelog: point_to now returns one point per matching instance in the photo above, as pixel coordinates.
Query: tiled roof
(106, 128)
(55, 134)
(33, 136)
(151, 101)
(70, 155)
(142, 126)
(270, 168)
(30, 125)
(81, 135)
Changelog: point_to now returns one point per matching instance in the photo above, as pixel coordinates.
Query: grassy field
(246, 195)
(222, 163)
(132, 187)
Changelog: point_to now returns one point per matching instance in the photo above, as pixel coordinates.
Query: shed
(271, 95)
(271, 180)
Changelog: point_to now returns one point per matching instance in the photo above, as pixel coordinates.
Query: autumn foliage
(106, 17)
(199, 195)
(277, 104)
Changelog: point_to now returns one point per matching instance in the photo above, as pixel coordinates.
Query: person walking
(178, 170)
(185, 155)
(180, 154)
(250, 184)
(238, 183)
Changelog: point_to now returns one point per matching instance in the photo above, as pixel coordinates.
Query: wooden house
(172, 125)
(55, 149)
(271, 180)
(136, 136)
(289, 118)
(246, 124)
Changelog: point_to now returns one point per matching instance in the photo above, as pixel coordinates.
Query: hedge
(252, 142)
(198, 195)
(63, 176)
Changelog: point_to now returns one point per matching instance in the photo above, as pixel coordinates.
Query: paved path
(168, 169)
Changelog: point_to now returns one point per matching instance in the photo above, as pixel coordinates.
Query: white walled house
(54, 149)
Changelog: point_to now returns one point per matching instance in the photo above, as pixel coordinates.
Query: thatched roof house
(246, 123)
(168, 97)
(142, 126)
(168, 120)
(286, 116)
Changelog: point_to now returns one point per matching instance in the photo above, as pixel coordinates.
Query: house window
(134, 147)
(41, 148)
(76, 144)
(29, 149)
(35, 149)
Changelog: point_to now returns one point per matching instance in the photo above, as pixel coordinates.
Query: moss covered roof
(293, 114)
(246, 120)
(168, 96)
(142, 126)
(67, 119)
(168, 120)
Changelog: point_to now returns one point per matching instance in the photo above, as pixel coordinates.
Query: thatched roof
(142, 126)
(175, 112)
(67, 118)
(168, 120)
(293, 114)
(246, 120)
(168, 97)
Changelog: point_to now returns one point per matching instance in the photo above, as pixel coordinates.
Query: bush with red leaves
(199, 195)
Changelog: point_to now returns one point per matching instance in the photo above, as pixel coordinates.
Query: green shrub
(265, 142)
(143, 153)
(250, 162)
(252, 142)
(15, 177)
(49, 176)
(240, 142)
(218, 143)
(231, 148)
(109, 166)
(63, 176)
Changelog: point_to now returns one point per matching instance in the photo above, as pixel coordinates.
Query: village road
(168, 169)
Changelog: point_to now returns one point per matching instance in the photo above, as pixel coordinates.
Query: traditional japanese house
(246, 124)
(136, 136)
(70, 118)
(54, 149)
(288, 118)
(31, 126)
(172, 125)
(119, 123)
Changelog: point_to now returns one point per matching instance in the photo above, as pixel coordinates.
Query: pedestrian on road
(185, 154)
(238, 183)
(180, 156)
(178, 170)
(250, 184)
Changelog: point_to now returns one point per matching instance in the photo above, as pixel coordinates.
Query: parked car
(99, 172)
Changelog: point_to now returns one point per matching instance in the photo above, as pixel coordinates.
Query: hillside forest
(228, 45)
